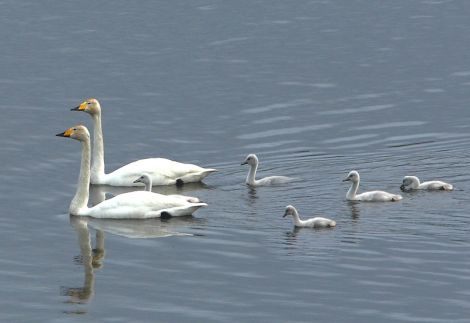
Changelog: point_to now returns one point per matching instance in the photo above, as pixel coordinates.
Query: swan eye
(88, 103)
(74, 129)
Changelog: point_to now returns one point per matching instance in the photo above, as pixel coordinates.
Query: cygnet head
(144, 178)
(78, 132)
(290, 210)
(409, 183)
(90, 106)
(251, 160)
(353, 176)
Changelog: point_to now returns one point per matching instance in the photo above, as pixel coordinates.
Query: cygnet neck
(97, 167)
(296, 217)
(250, 179)
(148, 183)
(353, 189)
(80, 200)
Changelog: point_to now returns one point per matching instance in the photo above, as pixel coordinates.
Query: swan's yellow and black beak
(81, 107)
(66, 133)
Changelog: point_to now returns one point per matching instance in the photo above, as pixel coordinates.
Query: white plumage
(162, 171)
(372, 196)
(251, 180)
(413, 183)
(132, 205)
(317, 222)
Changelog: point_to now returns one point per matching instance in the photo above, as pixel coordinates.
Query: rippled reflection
(91, 259)
(252, 195)
(354, 207)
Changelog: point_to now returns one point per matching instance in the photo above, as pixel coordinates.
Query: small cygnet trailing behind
(317, 222)
(251, 180)
(147, 181)
(412, 183)
(372, 196)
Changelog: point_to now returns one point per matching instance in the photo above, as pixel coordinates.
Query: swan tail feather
(196, 177)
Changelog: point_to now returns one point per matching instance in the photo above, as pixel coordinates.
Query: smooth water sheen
(314, 88)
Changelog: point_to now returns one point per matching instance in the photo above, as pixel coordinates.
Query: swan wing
(319, 222)
(378, 196)
(436, 185)
(273, 180)
(162, 171)
(142, 205)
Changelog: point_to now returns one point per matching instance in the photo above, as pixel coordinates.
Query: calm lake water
(315, 88)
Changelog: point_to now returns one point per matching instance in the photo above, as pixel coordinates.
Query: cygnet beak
(347, 179)
(137, 181)
(285, 214)
(402, 187)
(244, 163)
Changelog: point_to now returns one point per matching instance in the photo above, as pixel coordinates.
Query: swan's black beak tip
(75, 109)
(62, 134)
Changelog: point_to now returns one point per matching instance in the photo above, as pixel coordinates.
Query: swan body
(372, 196)
(132, 205)
(317, 222)
(147, 181)
(413, 183)
(162, 171)
(251, 180)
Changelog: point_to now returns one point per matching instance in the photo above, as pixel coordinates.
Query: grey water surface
(315, 88)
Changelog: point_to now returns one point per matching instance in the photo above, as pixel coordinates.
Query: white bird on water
(372, 196)
(412, 183)
(162, 171)
(251, 180)
(317, 222)
(132, 205)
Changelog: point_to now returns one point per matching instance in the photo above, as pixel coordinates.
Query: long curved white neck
(97, 167)
(353, 190)
(148, 184)
(250, 179)
(296, 218)
(80, 200)
(416, 183)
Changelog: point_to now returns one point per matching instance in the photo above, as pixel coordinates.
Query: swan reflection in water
(92, 259)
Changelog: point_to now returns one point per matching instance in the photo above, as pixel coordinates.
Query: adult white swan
(147, 181)
(162, 171)
(132, 205)
(317, 222)
(413, 183)
(251, 180)
(372, 196)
